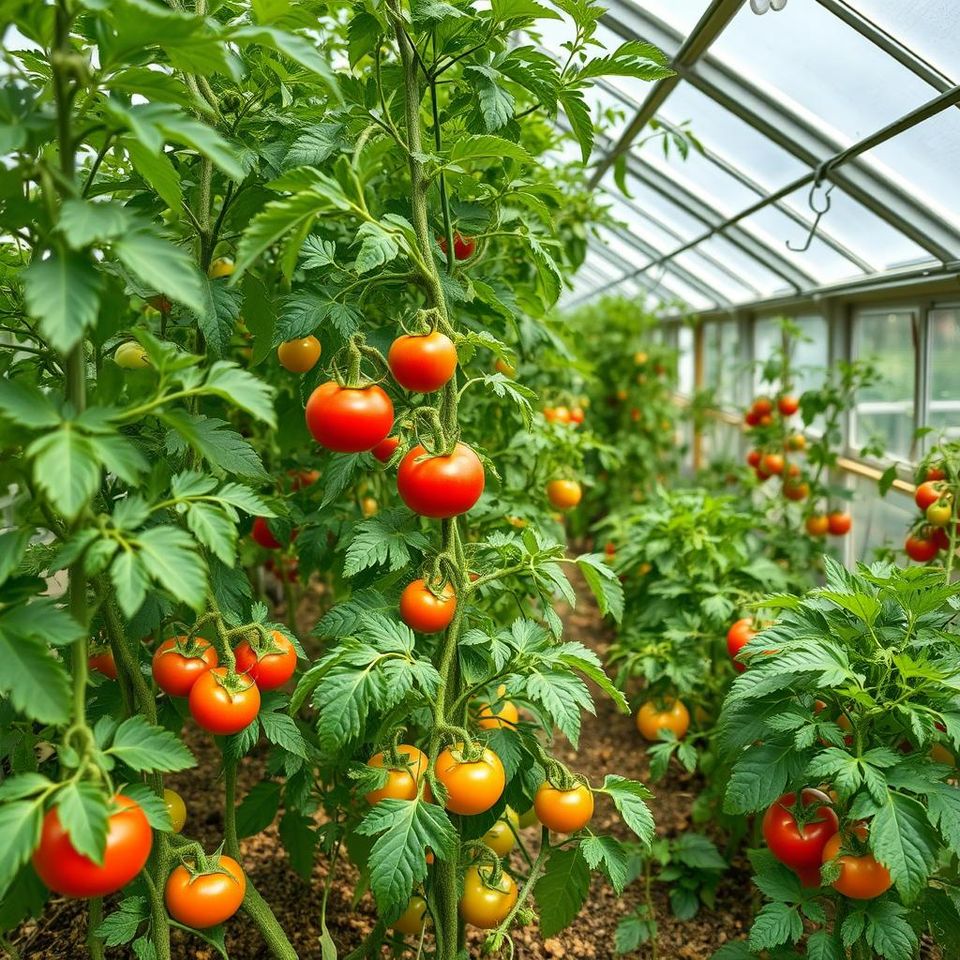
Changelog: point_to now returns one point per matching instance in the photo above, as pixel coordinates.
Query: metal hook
(817, 183)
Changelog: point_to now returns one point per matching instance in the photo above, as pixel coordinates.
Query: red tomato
(794, 490)
(564, 494)
(224, 703)
(751, 418)
(935, 473)
(788, 406)
(402, 784)
(773, 463)
(268, 669)
(762, 406)
(563, 811)
(861, 878)
(928, 492)
(753, 458)
(738, 636)
(422, 610)
(839, 523)
(104, 663)
(422, 364)
(301, 479)
(800, 848)
(818, 524)
(921, 547)
(177, 664)
(383, 451)
(473, 786)
(349, 419)
(202, 900)
(65, 871)
(440, 486)
(463, 247)
(577, 415)
(561, 414)
(260, 534)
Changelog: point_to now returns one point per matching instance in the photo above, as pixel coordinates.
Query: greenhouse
(481, 478)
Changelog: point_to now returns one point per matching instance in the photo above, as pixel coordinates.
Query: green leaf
(904, 842)
(258, 808)
(298, 49)
(629, 797)
(36, 683)
(377, 247)
(26, 406)
(406, 828)
(776, 924)
(159, 172)
(214, 529)
(385, 539)
(608, 854)
(578, 114)
(121, 925)
(603, 583)
(562, 889)
(761, 775)
(299, 840)
(635, 58)
(82, 811)
(20, 825)
(494, 102)
(162, 266)
(63, 294)
(170, 558)
(225, 450)
(486, 147)
(143, 746)
(889, 932)
(83, 222)
(66, 468)
(281, 729)
(230, 382)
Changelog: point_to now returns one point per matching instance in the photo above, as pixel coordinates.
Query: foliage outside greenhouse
(363, 593)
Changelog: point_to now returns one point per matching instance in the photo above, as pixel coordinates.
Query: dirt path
(609, 743)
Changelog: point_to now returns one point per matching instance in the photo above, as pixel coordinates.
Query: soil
(609, 743)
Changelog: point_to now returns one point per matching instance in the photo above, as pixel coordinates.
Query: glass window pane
(682, 15)
(929, 27)
(885, 410)
(685, 368)
(810, 353)
(944, 381)
(722, 361)
(878, 520)
(659, 206)
(663, 239)
(840, 79)
(717, 188)
(726, 285)
(764, 279)
(858, 229)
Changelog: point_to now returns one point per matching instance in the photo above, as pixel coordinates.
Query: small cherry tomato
(753, 458)
(176, 808)
(502, 714)
(299, 356)
(788, 406)
(796, 441)
(839, 523)
(861, 878)
(818, 524)
(501, 837)
(269, 669)
(401, 784)
(463, 247)
(202, 899)
(383, 451)
(762, 406)
(349, 419)
(670, 714)
(224, 703)
(921, 547)
(928, 493)
(473, 786)
(939, 513)
(70, 873)
(772, 463)
(104, 663)
(440, 486)
(935, 473)
(260, 534)
(563, 811)
(412, 920)
(369, 507)
(564, 494)
(486, 902)
(794, 490)
(501, 366)
(422, 364)
(422, 610)
(179, 663)
(131, 356)
(301, 479)
(738, 636)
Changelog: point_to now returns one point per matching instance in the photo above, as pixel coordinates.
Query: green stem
(257, 909)
(94, 919)
(231, 844)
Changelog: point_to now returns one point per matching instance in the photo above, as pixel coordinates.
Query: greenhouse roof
(830, 134)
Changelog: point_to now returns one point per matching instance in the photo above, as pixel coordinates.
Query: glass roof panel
(682, 15)
(717, 188)
(859, 229)
(842, 80)
(659, 238)
(611, 40)
(720, 248)
(659, 206)
(925, 159)
(930, 28)
(703, 270)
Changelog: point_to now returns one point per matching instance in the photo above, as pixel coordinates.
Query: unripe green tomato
(528, 819)
(131, 356)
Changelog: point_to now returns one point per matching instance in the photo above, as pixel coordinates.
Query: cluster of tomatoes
(931, 533)
(572, 416)
(804, 834)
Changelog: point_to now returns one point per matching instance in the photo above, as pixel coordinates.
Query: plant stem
(257, 909)
(94, 919)
(231, 844)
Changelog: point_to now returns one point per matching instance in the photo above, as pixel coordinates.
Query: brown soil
(609, 743)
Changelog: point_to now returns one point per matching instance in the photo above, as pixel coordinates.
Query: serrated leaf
(145, 747)
(562, 890)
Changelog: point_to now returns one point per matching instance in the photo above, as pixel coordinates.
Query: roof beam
(710, 26)
(808, 143)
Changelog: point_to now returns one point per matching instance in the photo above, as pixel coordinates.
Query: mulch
(609, 743)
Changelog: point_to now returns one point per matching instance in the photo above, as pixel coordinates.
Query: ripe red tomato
(463, 247)
(861, 878)
(935, 473)
(440, 486)
(269, 670)
(563, 811)
(753, 458)
(383, 451)
(794, 490)
(422, 364)
(773, 463)
(564, 494)
(818, 524)
(921, 547)
(670, 714)
(762, 406)
(839, 523)
(301, 479)
(788, 406)
(472, 786)
(177, 664)
(104, 663)
(299, 356)
(941, 537)
(800, 848)
(505, 714)
(561, 414)
(577, 415)
(738, 636)
(65, 871)
(349, 419)
(260, 534)
(751, 418)
(927, 493)
(401, 784)
(224, 703)
(411, 921)
(485, 903)
(421, 610)
(202, 900)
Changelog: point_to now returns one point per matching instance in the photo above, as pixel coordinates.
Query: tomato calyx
(199, 864)
(805, 814)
